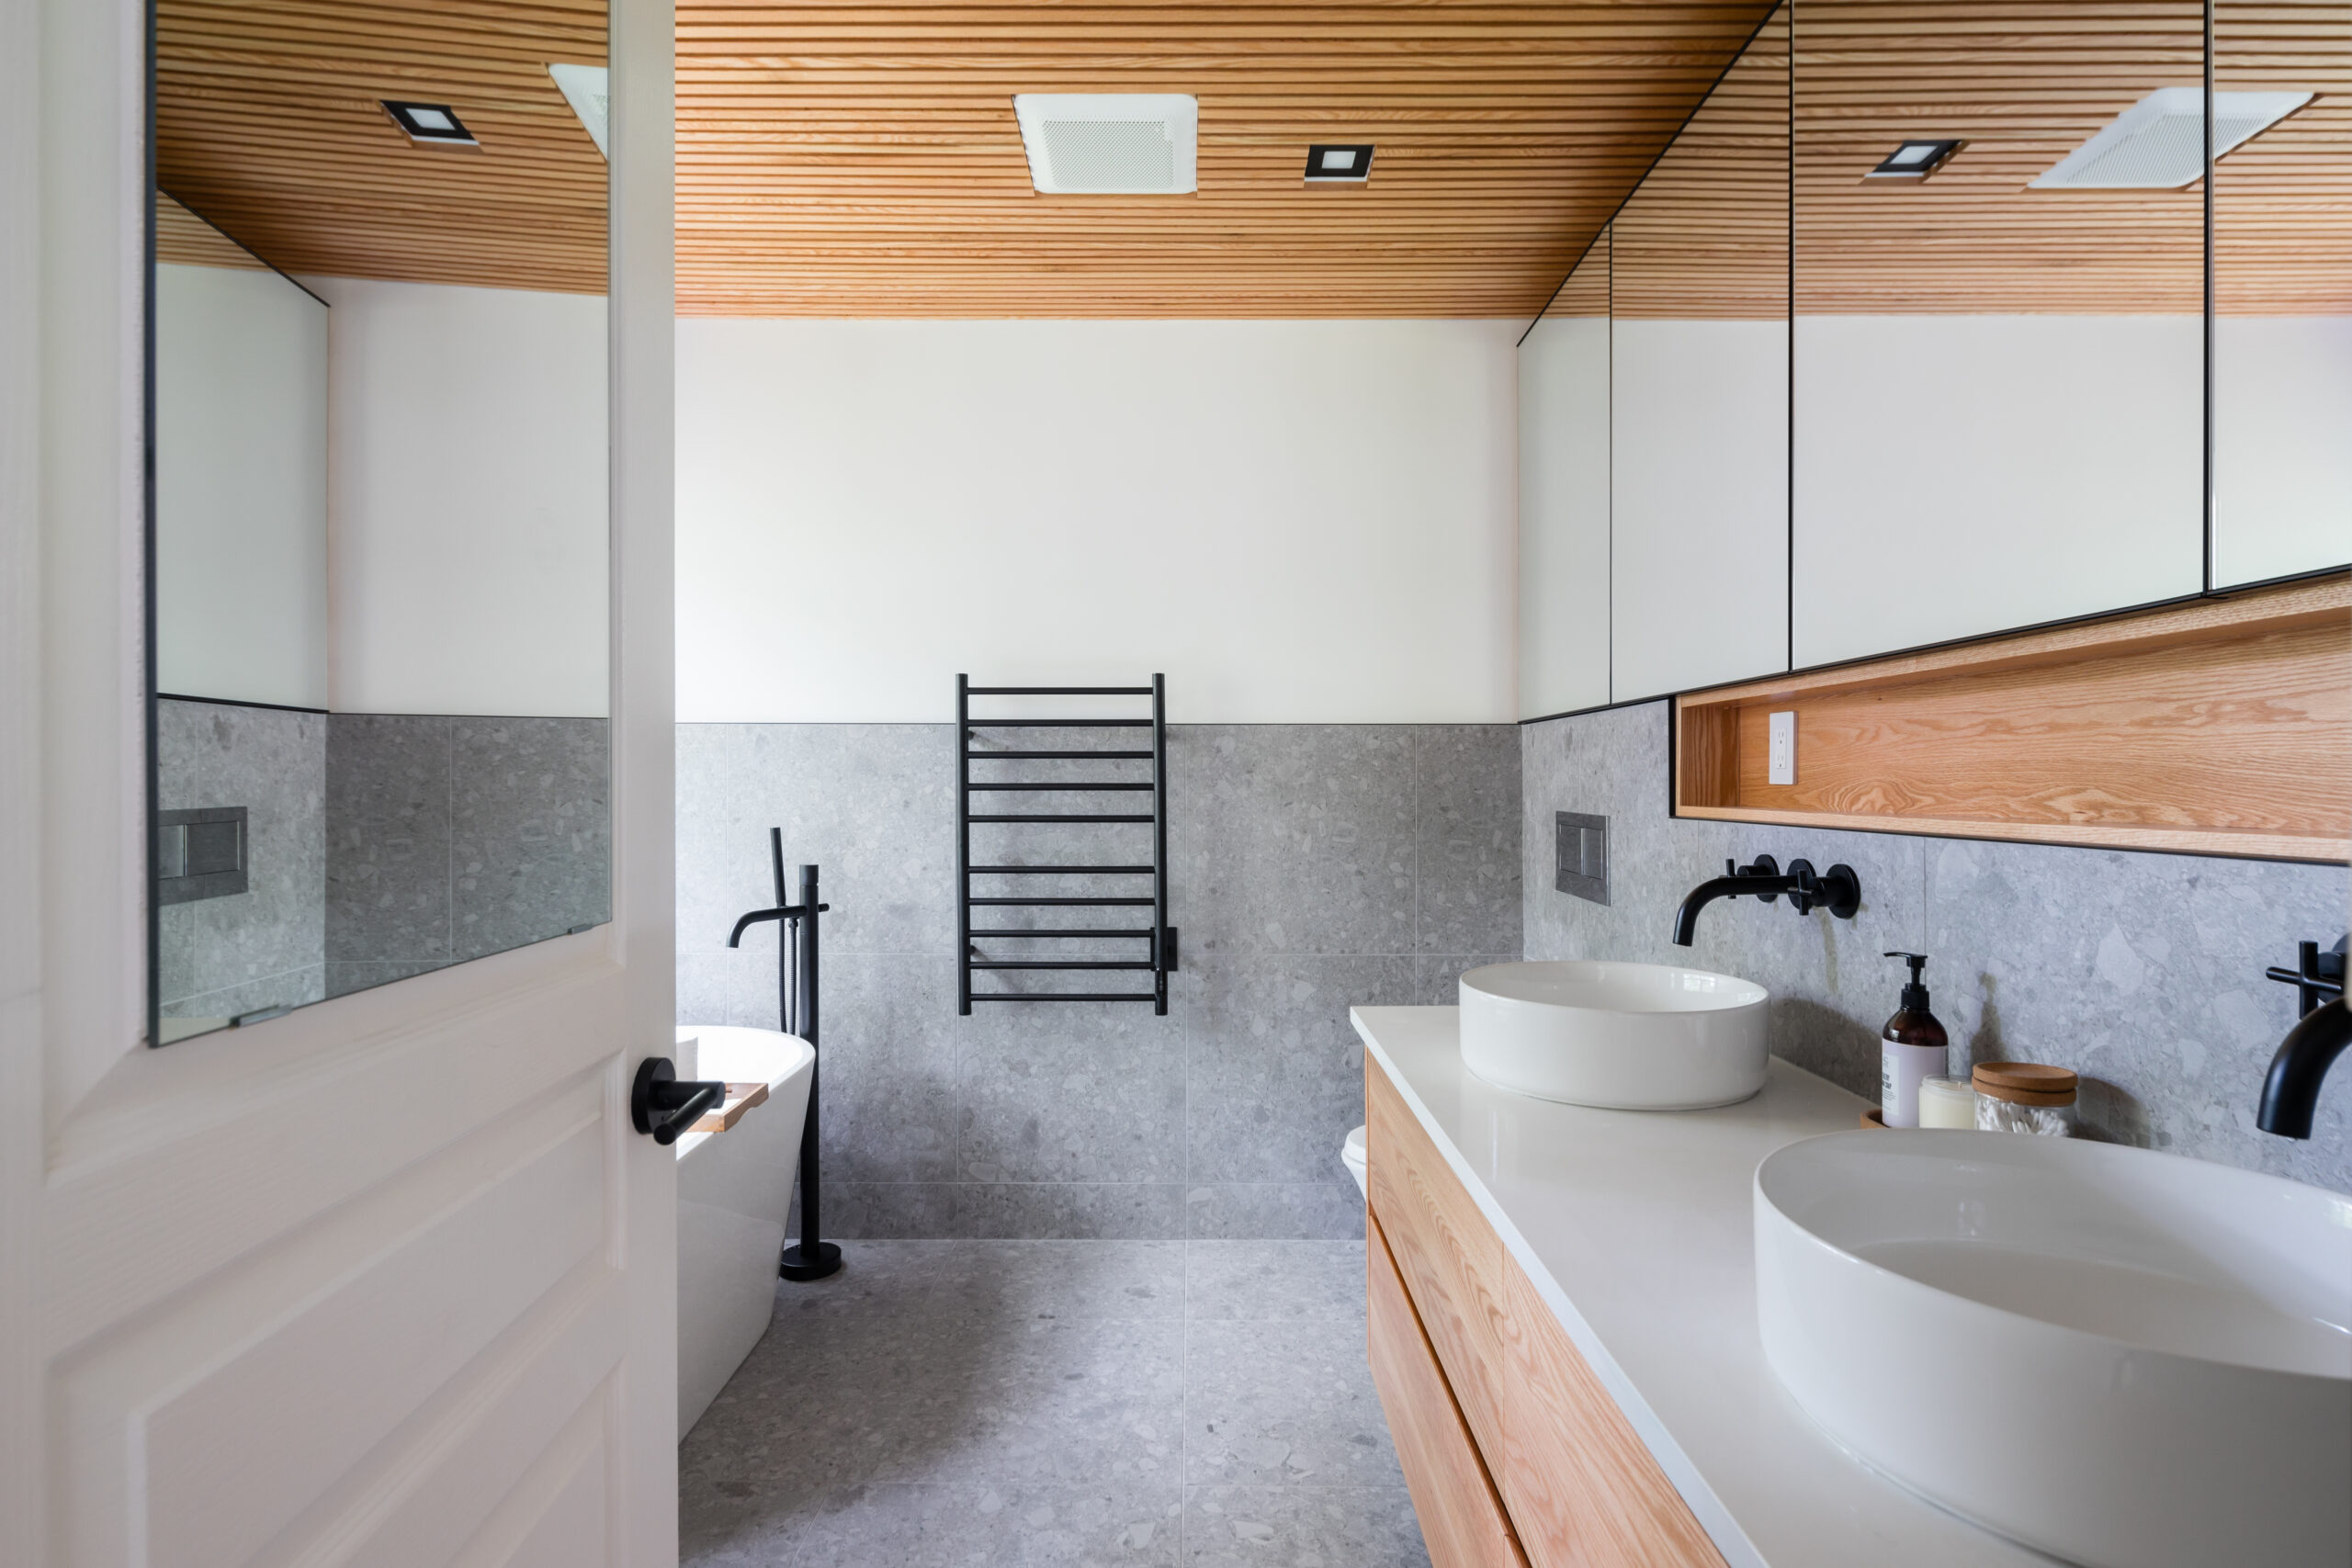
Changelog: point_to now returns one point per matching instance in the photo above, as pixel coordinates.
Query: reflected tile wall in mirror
(380, 516)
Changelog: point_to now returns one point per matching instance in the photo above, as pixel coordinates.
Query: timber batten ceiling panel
(866, 161)
(269, 125)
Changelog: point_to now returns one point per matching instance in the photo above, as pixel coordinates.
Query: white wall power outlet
(1781, 759)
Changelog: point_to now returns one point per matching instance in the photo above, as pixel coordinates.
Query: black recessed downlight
(1339, 163)
(430, 125)
(1914, 160)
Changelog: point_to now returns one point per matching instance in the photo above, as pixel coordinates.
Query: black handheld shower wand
(795, 974)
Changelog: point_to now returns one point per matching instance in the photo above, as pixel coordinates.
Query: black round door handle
(665, 1105)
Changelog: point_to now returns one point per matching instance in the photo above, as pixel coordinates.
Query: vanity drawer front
(1450, 1258)
(1581, 1485)
(1461, 1516)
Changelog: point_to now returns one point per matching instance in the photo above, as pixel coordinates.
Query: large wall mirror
(1999, 295)
(2282, 290)
(1699, 392)
(379, 519)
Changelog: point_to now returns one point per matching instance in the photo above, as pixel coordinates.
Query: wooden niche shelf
(2223, 727)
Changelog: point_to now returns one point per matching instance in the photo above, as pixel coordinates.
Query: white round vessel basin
(1625, 1036)
(2114, 1356)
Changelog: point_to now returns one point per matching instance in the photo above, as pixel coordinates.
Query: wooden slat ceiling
(1706, 236)
(2024, 83)
(2282, 203)
(268, 124)
(182, 239)
(839, 160)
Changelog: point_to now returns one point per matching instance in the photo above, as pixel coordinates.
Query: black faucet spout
(1838, 890)
(1686, 919)
(2290, 1094)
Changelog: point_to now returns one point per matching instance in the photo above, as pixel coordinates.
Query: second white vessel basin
(2125, 1358)
(1623, 1036)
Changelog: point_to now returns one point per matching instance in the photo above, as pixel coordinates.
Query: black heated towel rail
(986, 886)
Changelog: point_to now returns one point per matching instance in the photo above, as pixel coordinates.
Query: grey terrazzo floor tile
(998, 1526)
(1296, 1527)
(1282, 1405)
(1026, 1403)
(1274, 1281)
(999, 1279)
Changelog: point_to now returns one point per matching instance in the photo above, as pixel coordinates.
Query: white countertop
(1636, 1227)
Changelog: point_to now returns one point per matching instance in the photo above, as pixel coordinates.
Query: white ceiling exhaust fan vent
(2159, 143)
(1110, 144)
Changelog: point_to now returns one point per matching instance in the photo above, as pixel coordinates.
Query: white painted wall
(241, 487)
(2282, 446)
(470, 529)
(1564, 516)
(1958, 475)
(1698, 504)
(1296, 521)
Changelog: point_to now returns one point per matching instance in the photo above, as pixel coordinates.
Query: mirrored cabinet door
(2282, 290)
(1998, 280)
(1564, 496)
(380, 514)
(1698, 388)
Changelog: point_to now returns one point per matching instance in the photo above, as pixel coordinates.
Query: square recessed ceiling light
(1914, 160)
(2159, 143)
(1110, 144)
(430, 125)
(1338, 163)
(588, 89)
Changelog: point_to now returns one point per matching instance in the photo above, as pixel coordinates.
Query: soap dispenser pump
(1913, 1047)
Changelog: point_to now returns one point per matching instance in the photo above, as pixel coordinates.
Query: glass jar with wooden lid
(2025, 1096)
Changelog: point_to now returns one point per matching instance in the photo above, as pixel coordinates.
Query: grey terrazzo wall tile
(1082, 1210)
(1094, 1094)
(2141, 971)
(1275, 1070)
(1280, 1210)
(531, 831)
(389, 813)
(1301, 854)
(263, 947)
(873, 805)
(1466, 895)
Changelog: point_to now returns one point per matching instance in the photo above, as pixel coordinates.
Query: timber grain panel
(2214, 728)
(1461, 1518)
(268, 125)
(862, 160)
(1450, 1256)
(1582, 1489)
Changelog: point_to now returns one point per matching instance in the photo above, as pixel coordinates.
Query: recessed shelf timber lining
(2218, 727)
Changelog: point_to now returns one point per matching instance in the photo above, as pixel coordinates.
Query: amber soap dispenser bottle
(1913, 1047)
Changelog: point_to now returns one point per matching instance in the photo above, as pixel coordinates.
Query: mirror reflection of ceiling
(1586, 292)
(865, 160)
(1706, 237)
(182, 239)
(2022, 86)
(268, 122)
(2282, 203)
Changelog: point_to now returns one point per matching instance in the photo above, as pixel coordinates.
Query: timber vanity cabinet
(1515, 1454)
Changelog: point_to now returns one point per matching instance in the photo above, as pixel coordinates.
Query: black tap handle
(664, 1105)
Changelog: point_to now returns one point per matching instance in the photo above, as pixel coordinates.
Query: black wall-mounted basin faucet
(1838, 890)
(2290, 1091)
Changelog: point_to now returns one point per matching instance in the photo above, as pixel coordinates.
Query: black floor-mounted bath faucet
(1838, 890)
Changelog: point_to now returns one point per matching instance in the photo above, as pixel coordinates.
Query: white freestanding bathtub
(734, 1190)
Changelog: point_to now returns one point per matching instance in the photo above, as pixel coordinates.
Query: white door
(387, 1281)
